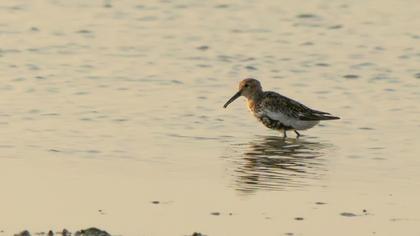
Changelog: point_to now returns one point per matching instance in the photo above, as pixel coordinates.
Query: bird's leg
(297, 133)
(284, 133)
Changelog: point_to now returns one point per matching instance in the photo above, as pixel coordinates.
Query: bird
(276, 111)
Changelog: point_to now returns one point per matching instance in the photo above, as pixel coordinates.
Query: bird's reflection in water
(275, 163)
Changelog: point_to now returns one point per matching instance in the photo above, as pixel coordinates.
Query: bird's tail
(328, 117)
(320, 115)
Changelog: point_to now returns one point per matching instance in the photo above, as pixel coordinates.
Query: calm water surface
(108, 106)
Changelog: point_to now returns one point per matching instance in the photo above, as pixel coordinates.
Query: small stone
(348, 214)
(306, 15)
(417, 75)
(92, 232)
(155, 202)
(299, 218)
(23, 233)
(322, 64)
(250, 67)
(351, 76)
(203, 48)
(84, 31)
(50, 233)
(215, 213)
(335, 27)
(65, 232)
(307, 44)
(222, 6)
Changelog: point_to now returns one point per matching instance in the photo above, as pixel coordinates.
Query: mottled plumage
(276, 111)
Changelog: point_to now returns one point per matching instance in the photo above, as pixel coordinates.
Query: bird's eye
(246, 86)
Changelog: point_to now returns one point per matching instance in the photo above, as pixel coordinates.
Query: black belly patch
(273, 124)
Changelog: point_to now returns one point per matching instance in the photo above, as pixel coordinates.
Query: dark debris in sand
(197, 234)
(84, 232)
(23, 233)
(348, 214)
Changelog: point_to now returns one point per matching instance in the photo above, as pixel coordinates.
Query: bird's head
(247, 88)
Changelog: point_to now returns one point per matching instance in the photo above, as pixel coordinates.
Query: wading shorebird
(276, 111)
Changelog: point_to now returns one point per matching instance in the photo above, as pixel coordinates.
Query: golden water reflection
(275, 163)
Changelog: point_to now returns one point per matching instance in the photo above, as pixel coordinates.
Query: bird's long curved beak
(238, 94)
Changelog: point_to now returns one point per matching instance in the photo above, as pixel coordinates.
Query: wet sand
(112, 117)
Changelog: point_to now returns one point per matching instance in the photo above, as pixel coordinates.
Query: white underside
(289, 121)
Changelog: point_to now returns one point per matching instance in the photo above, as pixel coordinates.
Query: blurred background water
(108, 106)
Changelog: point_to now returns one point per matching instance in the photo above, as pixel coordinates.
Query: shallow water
(108, 106)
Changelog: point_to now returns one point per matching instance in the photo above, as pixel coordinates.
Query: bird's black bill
(238, 94)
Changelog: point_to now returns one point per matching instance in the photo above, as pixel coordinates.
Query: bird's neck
(257, 96)
(254, 99)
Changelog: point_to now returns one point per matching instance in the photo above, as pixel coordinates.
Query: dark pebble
(197, 234)
(298, 218)
(222, 6)
(65, 232)
(348, 214)
(306, 15)
(417, 75)
(23, 233)
(84, 32)
(322, 64)
(92, 231)
(250, 68)
(203, 48)
(307, 44)
(155, 202)
(174, 81)
(351, 76)
(215, 213)
(335, 27)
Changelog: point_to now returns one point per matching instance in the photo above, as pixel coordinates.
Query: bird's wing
(286, 110)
